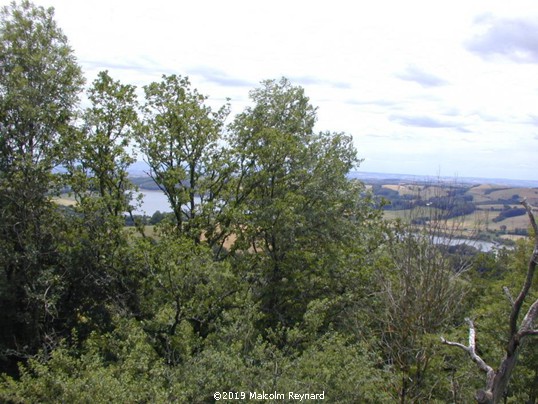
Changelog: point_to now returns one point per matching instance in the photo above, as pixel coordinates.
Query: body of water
(484, 246)
(152, 202)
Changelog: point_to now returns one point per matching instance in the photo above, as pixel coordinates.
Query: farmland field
(486, 209)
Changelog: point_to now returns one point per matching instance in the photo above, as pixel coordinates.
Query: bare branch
(518, 303)
(531, 219)
(527, 333)
(471, 350)
(497, 381)
(457, 344)
(527, 324)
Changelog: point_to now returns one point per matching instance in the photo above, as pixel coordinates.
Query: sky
(424, 87)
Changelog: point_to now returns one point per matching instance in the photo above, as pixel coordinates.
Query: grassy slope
(489, 199)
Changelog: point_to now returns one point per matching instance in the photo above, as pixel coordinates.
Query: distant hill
(145, 183)
(140, 170)
(392, 177)
(482, 209)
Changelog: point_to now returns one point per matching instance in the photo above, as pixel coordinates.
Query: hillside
(492, 210)
(372, 177)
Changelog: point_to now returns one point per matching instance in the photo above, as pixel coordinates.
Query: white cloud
(413, 73)
(421, 85)
(515, 39)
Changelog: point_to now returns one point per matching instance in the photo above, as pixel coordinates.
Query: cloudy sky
(425, 87)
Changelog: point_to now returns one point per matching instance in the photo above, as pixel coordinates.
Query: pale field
(480, 194)
(511, 223)
(64, 200)
(531, 194)
(484, 187)
(394, 187)
(408, 214)
(424, 191)
(513, 237)
(480, 220)
(486, 196)
(395, 214)
(149, 231)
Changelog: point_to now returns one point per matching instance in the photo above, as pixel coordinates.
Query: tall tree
(179, 139)
(294, 207)
(97, 158)
(40, 81)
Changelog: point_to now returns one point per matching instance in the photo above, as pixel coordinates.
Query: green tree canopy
(40, 82)
(179, 139)
(294, 207)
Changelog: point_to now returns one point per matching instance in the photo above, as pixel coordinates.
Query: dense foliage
(273, 273)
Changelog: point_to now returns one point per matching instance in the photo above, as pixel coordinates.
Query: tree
(290, 205)
(98, 157)
(183, 293)
(422, 289)
(421, 295)
(40, 81)
(179, 139)
(497, 379)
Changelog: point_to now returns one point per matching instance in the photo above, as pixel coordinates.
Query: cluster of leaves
(273, 272)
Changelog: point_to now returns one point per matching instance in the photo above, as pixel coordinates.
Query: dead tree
(497, 379)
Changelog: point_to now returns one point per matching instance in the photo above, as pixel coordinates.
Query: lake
(484, 246)
(152, 202)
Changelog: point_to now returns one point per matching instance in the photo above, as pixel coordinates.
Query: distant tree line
(508, 212)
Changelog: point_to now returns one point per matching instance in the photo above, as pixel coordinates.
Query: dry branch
(497, 380)
(471, 350)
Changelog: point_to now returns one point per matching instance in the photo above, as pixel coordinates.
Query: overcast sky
(425, 87)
